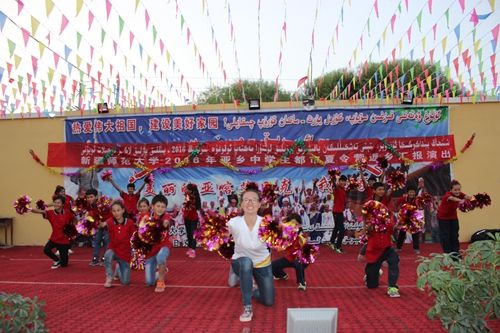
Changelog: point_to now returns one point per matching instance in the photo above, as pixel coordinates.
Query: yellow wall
(477, 169)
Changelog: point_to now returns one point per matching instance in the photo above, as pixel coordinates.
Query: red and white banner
(251, 153)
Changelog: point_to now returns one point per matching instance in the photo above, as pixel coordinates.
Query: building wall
(477, 169)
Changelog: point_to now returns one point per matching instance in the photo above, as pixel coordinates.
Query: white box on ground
(317, 320)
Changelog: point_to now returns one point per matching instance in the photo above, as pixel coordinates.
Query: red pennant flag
(56, 59)
(431, 55)
(393, 20)
(455, 63)
(408, 33)
(20, 6)
(34, 62)
(462, 4)
(492, 59)
(89, 68)
(131, 38)
(64, 24)
(434, 27)
(422, 63)
(188, 35)
(429, 2)
(146, 17)
(162, 45)
(63, 80)
(375, 6)
(301, 81)
(284, 28)
(394, 55)
(115, 46)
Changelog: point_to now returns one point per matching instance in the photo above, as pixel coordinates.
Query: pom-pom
(104, 207)
(481, 200)
(396, 180)
(423, 200)
(277, 235)
(333, 174)
(151, 230)
(362, 163)
(70, 231)
(106, 175)
(22, 205)
(269, 192)
(466, 206)
(86, 226)
(377, 215)
(382, 162)
(40, 204)
(352, 184)
(411, 219)
(139, 251)
(226, 250)
(213, 232)
(307, 254)
(149, 179)
(78, 206)
(251, 186)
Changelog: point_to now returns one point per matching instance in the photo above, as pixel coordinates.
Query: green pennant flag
(34, 25)
(368, 26)
(438, 66)
(480, 54)
(182, 22)
(50, 75)
(121, 23)
(103, 35)
(154, 34)
(474, 34)
(12, 47)
(20, 82)
(78, 40)
(412, 72)
(17, 61)
(399, 7)
(447, 15)
(381, 69)
(419, 21)
(480, 66)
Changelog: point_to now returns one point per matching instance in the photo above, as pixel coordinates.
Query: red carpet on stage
(197, 298)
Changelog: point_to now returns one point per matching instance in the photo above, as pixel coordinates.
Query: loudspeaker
(306, 320)
(102, 108)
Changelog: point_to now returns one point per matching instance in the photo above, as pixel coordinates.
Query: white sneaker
(57, 253)
(70, 251)
(302, 287)
(55, 264)
(247, 314)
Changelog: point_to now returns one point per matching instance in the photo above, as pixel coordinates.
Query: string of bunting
(76, 173)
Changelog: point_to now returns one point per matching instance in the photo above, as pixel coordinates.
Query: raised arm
(141, 188)
(112, 181)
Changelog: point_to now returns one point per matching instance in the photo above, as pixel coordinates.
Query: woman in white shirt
(251, 258)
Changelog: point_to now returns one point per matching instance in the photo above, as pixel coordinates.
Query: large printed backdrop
(248, 143)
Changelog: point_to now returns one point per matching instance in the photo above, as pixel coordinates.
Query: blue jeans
(150, 265)
(101, 236)
(243, 267)
(124, 270)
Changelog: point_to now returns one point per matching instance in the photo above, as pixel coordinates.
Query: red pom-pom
(333, 174)
(396, 180)
(269, 192)
(352, 184)
(377, 215)
(382, 162)
(104, 207)
(150, 179)
(22, 205)
(226, 250)
(307, 253)
(481, 200)
(139, 251)
(411, 219)
(466, 206)
(151, 230)
(423, 200)
(70, 231)
(40, 204)
(78, 206)
(106, 175)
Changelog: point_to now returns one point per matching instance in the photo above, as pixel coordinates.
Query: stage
(197, 298)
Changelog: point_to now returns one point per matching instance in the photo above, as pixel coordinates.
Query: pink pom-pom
(423, 200)
(376, 214)
(269, 192)
(213, 232)
(307, 254)
(78, 207)
(152, 230)
(277, 235)
(22, 205)
(106, 175)
(139, 251)
(86, 226)
(411, 219)
(104, 207)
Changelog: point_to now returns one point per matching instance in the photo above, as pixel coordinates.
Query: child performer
(60, 190)
(339, 204)
(410, 198)
(58, 218)
(101, 238)
(379, 249)
(289, 260)
(120, 230)
(192, 204)
(156, 259)
(448, 218)
(130, 198)
(142, 209)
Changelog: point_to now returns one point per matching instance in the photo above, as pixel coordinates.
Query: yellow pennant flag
(492, 4)
(423, 44)
(78, 61)
(400, 44)
(41, 48)
(443, 44)
(49, 5)
(50, 75)
(34, 25)
(429, 81)
(460, 47)
(17, 61)
(79, 4)
(168, 57)
(383, 35)
(476, 45)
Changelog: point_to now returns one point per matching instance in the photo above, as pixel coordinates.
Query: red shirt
(93, 211)
(119, 237)
(404, 199)
(68, 202)
(130, 202)
(369, 194)
(447, 209)
(377, 243)
(339, 195)
(165, 242)
(57, 222)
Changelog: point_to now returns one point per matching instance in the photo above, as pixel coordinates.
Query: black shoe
(94, 262)
(55, 264)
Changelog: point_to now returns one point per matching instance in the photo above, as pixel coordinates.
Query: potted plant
(21, 314)
(466, 290)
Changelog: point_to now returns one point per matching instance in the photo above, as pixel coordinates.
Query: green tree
(243, 91)
(403, 70)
